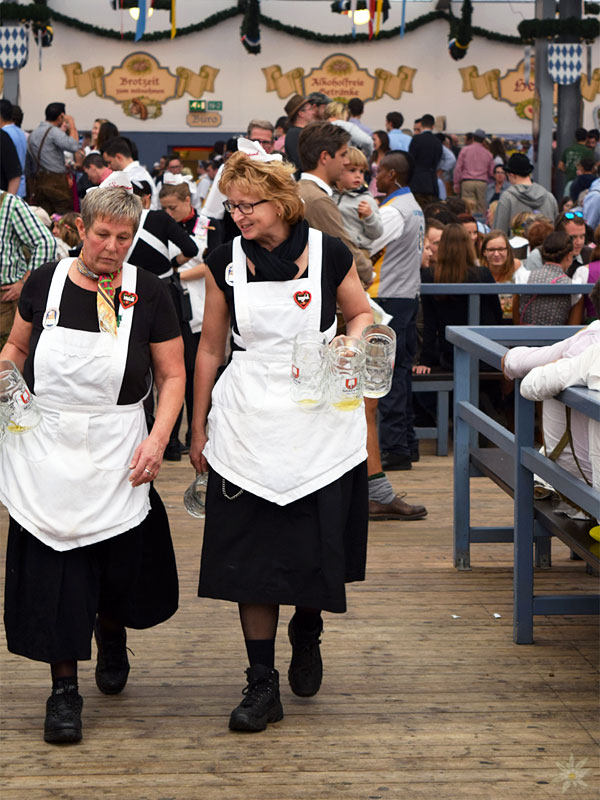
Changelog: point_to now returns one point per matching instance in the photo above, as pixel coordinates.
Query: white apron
(258, 438)
(67, 480)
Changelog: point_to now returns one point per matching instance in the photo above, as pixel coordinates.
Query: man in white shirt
(117, 154)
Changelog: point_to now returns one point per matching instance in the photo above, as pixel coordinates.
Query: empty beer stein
(309, 369)
(194, 499)
(380, 354)
(23, 413)
(346, 372)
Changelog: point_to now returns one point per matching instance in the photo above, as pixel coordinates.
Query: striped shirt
(20, 228)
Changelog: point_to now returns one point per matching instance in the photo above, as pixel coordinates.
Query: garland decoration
(584, 29)
(15, 12)
(157, 5)
(461, 31)
(250, 29)
(209, 22)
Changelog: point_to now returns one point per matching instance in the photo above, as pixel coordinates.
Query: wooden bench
(511, 464)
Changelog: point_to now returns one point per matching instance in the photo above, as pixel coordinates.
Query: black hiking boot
(261, 703)
(306, 668)
(63, 714)
(112, 666)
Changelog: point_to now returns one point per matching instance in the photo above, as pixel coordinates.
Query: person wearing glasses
(286, 502)
(523, 194)
(498, 257)
(573, 224)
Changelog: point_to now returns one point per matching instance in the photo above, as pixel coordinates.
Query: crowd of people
(128, 294)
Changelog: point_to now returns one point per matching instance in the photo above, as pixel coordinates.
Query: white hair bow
(117, 180)
(256, 151)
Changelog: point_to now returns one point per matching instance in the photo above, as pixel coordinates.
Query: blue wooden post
(523, 516)
(462, 495)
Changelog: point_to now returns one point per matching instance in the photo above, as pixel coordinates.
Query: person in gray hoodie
(523, 194)
(357, 206)
(591, 205)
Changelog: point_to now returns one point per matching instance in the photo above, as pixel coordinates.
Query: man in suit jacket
(426, 149)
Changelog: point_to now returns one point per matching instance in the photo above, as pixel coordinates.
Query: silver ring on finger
(149, 471)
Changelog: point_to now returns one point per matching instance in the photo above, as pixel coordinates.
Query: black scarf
(278, 264)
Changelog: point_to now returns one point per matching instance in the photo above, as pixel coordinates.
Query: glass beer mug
(19, 410)
(380, 354)
(309, 362)
(346, 372)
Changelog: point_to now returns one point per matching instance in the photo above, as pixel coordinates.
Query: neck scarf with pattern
(105, 296)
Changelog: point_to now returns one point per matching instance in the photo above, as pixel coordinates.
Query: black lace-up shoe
(306, 668)
(261, 703)
(63, 715)
(112, 667)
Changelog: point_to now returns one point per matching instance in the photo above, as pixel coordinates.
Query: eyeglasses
(243, 208)
(573, 214)
(495, 249)
(263, 141)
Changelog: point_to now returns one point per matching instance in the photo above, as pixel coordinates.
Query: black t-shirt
(442, 310)
(154, 320)
(159, 225)
(336, 262)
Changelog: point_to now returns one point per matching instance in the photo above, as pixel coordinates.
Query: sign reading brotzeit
(140, 84)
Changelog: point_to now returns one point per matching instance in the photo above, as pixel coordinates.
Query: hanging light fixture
(134, 13)
(362, 15)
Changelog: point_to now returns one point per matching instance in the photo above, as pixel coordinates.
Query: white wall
(241, 84)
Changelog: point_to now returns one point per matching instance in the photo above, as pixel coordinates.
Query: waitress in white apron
(287, 501)
(89, 547)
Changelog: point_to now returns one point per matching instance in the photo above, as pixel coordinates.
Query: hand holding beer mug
(19, 410)
(380, 354)
(309, 363)
(346, 372)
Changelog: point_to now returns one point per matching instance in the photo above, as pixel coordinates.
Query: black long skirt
(301, 554)
(52, 597)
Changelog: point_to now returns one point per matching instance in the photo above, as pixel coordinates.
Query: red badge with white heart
(302, 299)
(128, 299)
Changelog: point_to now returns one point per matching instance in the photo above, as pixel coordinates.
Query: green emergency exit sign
(205, 105)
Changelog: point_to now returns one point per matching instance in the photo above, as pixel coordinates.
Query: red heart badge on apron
(128, 299)
(302, 299)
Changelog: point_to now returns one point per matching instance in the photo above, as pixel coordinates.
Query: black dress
(255, 551)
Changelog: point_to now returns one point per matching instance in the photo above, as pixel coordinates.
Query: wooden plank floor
(415, 703)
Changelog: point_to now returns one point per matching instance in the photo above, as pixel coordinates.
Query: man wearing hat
(474, 168)
(300, 111)
(319, 101)
(523, 194)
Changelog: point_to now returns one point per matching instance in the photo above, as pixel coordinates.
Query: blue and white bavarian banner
(565, 62)
(14, 46)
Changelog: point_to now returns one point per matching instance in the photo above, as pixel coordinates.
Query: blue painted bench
(511, 465)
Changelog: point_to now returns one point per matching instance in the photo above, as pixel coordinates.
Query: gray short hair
(260, 123)
(114, 203)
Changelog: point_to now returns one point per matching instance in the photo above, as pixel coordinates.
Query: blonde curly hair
(267, 180)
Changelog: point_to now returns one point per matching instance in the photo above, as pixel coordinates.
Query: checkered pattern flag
(565, 62)
(14, 46)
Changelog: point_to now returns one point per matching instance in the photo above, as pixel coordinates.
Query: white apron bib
(258, 438)
(67, 480)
